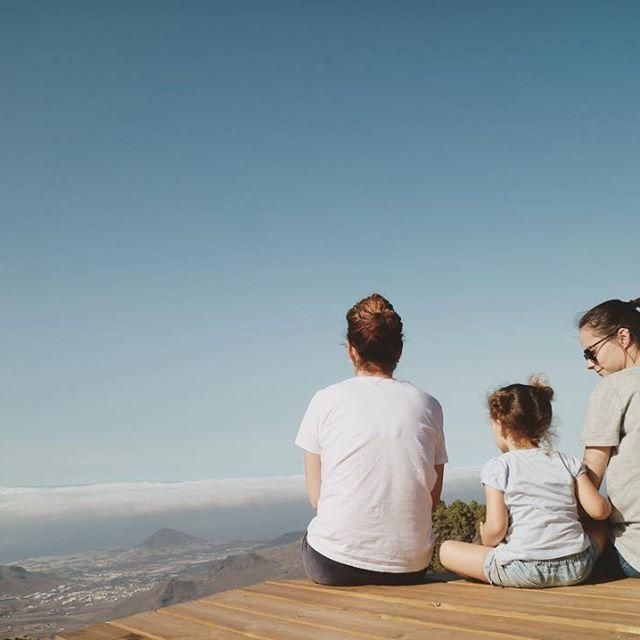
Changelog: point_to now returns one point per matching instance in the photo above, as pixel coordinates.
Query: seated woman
(610, 337)
(532, 536)
(374, 460)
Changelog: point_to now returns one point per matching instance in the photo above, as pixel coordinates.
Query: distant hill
(172, 538)
(286, 538)
(278, 562)
(16, 581)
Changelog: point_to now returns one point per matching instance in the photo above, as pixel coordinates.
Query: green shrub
(458, 521)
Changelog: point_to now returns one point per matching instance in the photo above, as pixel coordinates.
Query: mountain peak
(171, 538)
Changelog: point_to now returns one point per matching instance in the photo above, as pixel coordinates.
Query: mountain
(286, 538)
(172, 538)
(16, 581)
(273, 563)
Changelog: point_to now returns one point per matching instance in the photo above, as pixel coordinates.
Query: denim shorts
(612, 564)
(533, 574)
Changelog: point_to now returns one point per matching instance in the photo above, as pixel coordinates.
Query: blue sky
(193, 194)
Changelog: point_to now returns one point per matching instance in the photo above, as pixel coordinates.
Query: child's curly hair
(524, 410)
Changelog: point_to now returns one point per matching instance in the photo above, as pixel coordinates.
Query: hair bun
(374, 329)
(500, 402)
(541, 384)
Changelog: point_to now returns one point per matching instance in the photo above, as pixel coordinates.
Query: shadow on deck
(301, 610)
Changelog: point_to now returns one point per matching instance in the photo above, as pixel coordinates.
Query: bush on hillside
(458, 521)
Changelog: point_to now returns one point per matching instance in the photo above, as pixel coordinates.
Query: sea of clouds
(46, 520)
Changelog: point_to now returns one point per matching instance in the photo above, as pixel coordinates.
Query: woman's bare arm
(596, 460)
(312, 476)
(437, 487)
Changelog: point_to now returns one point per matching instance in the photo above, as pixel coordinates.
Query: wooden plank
(98, 632)
(456, 610)
(154, 625)
(478, 619)
(628, 585)
(422, 617)
(570, 598)
(516, 601)
(252, 624)
(623, 589)
(321, 619)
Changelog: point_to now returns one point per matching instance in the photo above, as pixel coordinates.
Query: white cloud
(127, 499)
(454, 475)
(463, 483)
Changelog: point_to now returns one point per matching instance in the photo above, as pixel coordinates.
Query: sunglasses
(590, 354)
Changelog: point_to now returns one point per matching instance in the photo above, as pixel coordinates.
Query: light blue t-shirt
(539, 493)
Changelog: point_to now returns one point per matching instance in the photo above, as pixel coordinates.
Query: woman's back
(379, 440)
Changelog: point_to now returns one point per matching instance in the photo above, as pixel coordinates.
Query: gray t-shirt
(613, 420)
(539, 493)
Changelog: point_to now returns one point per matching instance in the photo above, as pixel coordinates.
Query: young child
(532, 536)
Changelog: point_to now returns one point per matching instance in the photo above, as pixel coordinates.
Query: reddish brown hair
(607, 317)
(374, 330)
(523, 410)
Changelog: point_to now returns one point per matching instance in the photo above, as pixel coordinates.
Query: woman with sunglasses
(374, 454)
(610, 337)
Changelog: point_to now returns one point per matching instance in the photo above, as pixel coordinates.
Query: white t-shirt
(378, 440)
(539, 492)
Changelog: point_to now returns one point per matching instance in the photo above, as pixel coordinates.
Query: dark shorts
(323, 570)
(611, 564)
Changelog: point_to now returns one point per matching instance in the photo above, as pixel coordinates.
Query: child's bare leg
(464, 558)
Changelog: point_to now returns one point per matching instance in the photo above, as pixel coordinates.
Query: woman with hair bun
(610, 338)
(374, 460)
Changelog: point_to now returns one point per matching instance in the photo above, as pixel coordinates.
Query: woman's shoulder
(617, 380)
(616, 388)
(333, 389)
(425, 396)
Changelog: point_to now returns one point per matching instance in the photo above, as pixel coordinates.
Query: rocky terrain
(46, 595)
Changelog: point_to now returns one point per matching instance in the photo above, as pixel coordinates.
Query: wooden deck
(301, 610)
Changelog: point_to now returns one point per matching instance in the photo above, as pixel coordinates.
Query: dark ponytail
(607, 317)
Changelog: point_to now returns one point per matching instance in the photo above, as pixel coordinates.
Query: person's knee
(446, 552)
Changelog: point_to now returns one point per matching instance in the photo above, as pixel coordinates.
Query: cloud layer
(129, 499)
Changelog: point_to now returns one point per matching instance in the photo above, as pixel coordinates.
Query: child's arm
(594, 503)
(494, 528)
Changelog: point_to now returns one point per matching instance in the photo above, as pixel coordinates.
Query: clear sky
(194, 193)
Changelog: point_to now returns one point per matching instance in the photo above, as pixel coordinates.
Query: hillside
(16, 581)
(232, 572)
